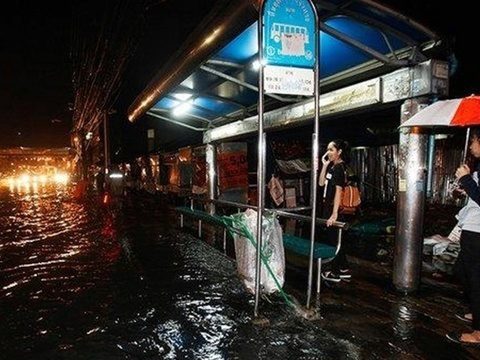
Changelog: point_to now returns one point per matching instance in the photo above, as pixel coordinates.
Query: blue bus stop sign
(289, 33)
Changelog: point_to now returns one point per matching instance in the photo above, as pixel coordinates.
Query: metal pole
(83, 158)
(106, 145)
(430, 169)
(260, 162)
(319, 276)
(465, 148)
(211, 159)
(224, 240)
(314, 174)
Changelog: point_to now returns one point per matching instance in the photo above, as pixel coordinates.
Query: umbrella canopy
(455, 112)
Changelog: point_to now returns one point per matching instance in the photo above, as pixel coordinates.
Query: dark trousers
(468, 269)
(340, 261)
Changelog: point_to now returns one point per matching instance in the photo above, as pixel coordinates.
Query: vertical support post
(465, 148)
(319, 276)
(224, 241)
(411, 202)
(430, 169)
(106, 145)
(83, 158)
(301, 194)
(314, 170)
(211, 159)
(260, 166)
(199, 229)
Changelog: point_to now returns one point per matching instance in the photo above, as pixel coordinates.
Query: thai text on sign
(232, 170)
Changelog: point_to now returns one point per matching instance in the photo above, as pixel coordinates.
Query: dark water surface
(80, 282)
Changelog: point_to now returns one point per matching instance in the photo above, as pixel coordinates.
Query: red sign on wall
(232, 170)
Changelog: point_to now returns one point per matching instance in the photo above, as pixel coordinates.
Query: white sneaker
(330, 276)
(345, 274)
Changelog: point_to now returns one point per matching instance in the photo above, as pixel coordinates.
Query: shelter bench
(322, 253)
(202, 216)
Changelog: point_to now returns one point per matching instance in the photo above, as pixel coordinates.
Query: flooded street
(57, 260)
(74, 285)
(148, 147)
(79, 281)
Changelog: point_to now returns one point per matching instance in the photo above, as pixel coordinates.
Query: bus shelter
(369, 57)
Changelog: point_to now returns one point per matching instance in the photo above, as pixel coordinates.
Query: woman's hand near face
(325, 160)
(323, 171)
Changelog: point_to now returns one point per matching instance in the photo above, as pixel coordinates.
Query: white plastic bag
(272, 250)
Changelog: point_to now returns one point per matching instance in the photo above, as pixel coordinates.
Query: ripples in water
(51, 252)
(79, 282)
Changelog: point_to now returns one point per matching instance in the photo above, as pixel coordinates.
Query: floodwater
(80, 281)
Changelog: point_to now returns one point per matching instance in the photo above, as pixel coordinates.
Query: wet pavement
(78, 281)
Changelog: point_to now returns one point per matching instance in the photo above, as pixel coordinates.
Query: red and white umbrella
(455, 112)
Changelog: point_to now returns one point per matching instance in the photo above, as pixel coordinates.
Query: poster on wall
(233, 171)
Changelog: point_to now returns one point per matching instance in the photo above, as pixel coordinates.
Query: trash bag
(273, 256)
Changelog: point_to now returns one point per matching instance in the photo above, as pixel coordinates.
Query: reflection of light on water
(33, 183)
(93, 330)
(213, 326)
(35, 265)
(52, 253)
(13, 284)
(171, 333)
(69, 253)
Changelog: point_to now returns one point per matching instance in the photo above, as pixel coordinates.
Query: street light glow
(182, 108)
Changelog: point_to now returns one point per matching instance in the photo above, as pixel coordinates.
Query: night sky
(35, 75)
(36, 70)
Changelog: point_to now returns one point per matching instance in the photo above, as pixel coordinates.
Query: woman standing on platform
(332, 179)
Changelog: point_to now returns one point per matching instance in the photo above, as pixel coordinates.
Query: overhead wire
(104, 38)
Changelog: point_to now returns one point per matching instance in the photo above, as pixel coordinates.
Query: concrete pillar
(211, 158)
(412, 162)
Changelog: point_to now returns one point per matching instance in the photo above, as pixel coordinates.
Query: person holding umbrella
(463, 112)
(468, 263)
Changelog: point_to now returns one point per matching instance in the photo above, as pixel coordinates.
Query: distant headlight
(61, 178)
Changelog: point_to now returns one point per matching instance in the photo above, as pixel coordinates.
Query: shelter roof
(213, 72)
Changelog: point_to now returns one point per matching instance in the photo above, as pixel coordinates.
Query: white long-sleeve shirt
(469, 216)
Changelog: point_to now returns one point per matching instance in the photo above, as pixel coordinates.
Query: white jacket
(469, 216)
